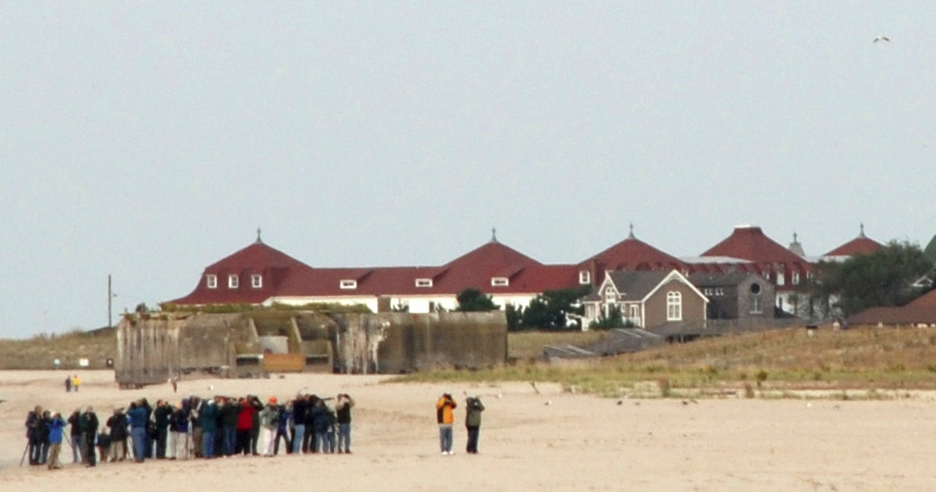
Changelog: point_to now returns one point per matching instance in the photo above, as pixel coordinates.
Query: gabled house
(646, 298)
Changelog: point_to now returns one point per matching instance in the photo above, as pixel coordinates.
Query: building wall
(693, 306)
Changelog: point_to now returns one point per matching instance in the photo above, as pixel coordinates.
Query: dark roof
(633, 286)
(719, 279)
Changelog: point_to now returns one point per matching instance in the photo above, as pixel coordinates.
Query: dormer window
(610, 295)
(796, 278)
(211, 281)
(256, 281)
(233, 282)
(584, 277)
(348, 284)
(423, 282)
(500, 282)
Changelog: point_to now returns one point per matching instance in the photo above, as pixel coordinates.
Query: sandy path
(574, 443)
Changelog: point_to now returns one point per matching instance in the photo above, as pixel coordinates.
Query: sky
(147, 140)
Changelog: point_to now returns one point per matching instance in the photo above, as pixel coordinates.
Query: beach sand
(547, 441)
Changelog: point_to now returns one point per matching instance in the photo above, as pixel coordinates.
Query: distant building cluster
(746, 274)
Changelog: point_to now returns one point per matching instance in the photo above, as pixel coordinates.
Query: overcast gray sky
(149, 139)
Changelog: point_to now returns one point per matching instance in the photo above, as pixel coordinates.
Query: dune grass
(40, 351)
(782, 360)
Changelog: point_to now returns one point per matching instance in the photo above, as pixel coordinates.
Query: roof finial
(258, 236)
(493, 234)
(861, 234)
(631, 234)
(794, 237)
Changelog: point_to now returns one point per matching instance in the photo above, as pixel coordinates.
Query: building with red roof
(631, 254)
(260, 274)
(861, 245)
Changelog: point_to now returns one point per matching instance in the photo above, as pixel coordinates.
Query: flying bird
(882, 38)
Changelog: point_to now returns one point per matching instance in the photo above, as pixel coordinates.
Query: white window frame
(500, 281)
(796, 278)
(423, 282)
(347, 284)
(584, 277)
(610, 295)
(256, 281)
(756, 304)
(635, 314)
(233, 281)
(674, 306)
(211, 281)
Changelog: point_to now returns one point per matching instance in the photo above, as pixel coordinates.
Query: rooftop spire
(631, 234)
(493, 234)
(861, 234)
(258, 236)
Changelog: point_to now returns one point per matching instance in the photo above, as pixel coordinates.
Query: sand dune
(574, 443)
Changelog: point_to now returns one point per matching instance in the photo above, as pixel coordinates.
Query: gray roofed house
(646, 298)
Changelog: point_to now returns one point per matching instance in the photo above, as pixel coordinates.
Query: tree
(514, 317)
(614, 320)
(552, 309)
(882, 278)
(471, 299)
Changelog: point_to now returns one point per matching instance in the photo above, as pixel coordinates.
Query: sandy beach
(546, 441)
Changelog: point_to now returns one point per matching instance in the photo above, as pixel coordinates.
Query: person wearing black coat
(88, 422)
(161, 415)
(117, 423)
(75, 434)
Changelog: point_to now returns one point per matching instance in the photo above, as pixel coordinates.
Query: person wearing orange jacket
(446, 417)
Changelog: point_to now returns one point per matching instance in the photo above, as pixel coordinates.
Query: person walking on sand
(446, 417)
(473, 409)
(76, 382)
(68, 382)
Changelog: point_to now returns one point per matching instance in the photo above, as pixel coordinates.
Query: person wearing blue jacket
(138, 419)
(56, 431)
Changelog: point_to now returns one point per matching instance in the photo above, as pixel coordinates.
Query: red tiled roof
(275, 267)
(632, 254)
(861, 245)
(920, 310)
(750, 243)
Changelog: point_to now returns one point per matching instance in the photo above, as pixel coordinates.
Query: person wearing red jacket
(244, 426)
(446, 417)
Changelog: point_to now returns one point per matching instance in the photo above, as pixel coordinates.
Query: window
(635, 313)
(423, 282)
(756, 303)
(781, 278)
(256, 281)
(211, 281)
(348, 284)
(233, 282)
(584, 277)
(795, 278)
(673, 306)
(500, 281)
(610, 295)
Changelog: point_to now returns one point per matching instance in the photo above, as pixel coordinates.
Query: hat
(272, 399)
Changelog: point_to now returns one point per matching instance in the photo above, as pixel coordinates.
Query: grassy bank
(765, 363)
(40, 351)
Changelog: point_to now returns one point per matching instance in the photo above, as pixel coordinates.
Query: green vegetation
(472, 300)
(882, 278)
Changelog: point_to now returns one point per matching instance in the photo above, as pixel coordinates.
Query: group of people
(72, 383)
(216, 427)
(193, 428)
(445, 416)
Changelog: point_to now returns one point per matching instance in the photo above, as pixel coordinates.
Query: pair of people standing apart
(445, 416)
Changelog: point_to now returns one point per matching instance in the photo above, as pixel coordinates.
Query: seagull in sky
(882, 38)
